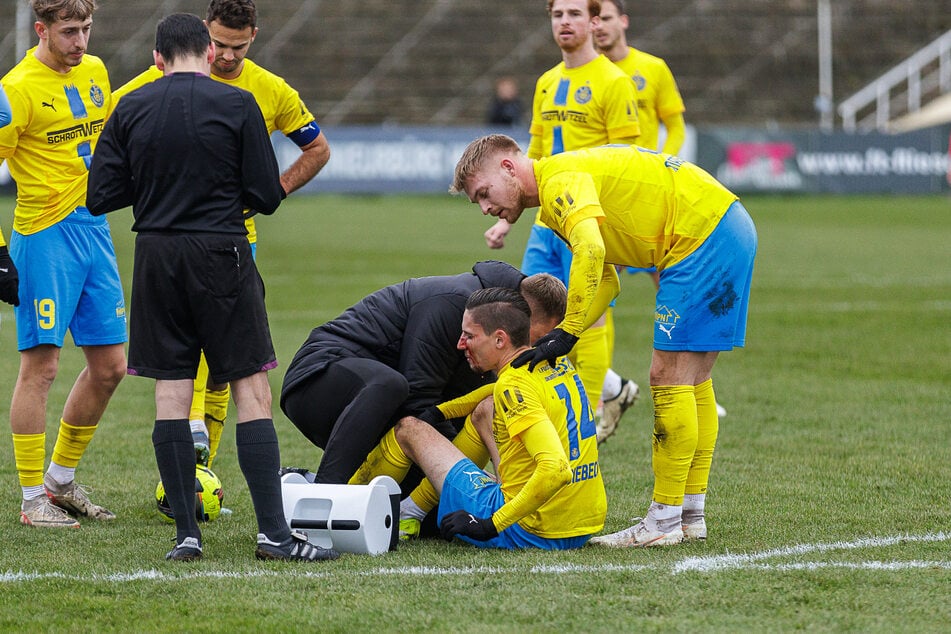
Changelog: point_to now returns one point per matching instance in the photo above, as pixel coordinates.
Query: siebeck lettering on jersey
(585, 471)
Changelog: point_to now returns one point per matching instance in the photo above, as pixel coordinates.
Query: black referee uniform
(190, 154)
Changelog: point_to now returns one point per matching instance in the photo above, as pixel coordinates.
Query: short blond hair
(475, 155)
(546, 295)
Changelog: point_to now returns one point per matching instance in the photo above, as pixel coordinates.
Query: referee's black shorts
(194, 292)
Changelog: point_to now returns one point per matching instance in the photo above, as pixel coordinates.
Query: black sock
(175, 456)
(259, 457)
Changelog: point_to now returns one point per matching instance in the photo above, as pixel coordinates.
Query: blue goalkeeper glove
(555, 344)
(465, 523)
(9, 279)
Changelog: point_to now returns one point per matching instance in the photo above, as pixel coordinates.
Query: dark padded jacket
(412, 327)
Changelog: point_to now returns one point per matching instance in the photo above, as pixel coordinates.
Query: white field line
(734, 562)
(857, 565)
(707, 564)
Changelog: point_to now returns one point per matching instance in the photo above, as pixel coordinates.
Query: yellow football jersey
(654, 209)
(57, 118)
(582, 107)
(550, 396)
(143, 78)
(657, 93)
(280, 104)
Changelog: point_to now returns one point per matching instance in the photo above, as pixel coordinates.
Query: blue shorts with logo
(703, 300)
(69, 280)
(468, 488)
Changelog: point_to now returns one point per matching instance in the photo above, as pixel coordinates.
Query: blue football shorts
(69, 280)
(469, 488)
(634, 270)
(545, 252)
(703, 300)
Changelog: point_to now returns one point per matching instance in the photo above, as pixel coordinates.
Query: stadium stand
(433, 62)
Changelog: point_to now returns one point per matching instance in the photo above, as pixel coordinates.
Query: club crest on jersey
(639, 81)
(96, 95)
(583, 95)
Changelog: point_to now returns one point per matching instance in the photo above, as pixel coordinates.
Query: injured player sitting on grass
(549, 492)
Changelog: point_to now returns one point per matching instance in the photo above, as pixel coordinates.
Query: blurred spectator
(506, 106)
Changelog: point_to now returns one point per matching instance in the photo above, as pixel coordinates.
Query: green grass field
(829, 506)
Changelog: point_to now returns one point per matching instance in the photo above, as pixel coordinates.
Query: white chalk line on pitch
(735, 562)
(704, 564)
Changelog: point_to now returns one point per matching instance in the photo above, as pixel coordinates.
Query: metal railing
(916, 76)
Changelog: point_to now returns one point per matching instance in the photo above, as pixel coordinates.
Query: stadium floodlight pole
(23, 26)
(824, 101)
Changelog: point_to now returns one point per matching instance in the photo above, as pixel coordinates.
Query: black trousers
(345, 410)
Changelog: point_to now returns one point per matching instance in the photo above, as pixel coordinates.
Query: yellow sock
(425, 496)
(71, 443)
(675, 441)
(198, 391)
(387, 458)
(590, 358)
(216, 411)
(29, 452)
(708, 424)
(470, 444)
(609, 333)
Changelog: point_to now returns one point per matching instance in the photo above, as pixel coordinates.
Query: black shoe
(294, 548)
(308, 475)
(188, 550)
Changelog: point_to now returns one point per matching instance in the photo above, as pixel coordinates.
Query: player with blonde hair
(628, 206)
(584, 101)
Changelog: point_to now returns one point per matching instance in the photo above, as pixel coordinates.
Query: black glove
(431, 415)
(555, 344)
(9, 279)
(465, 523)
